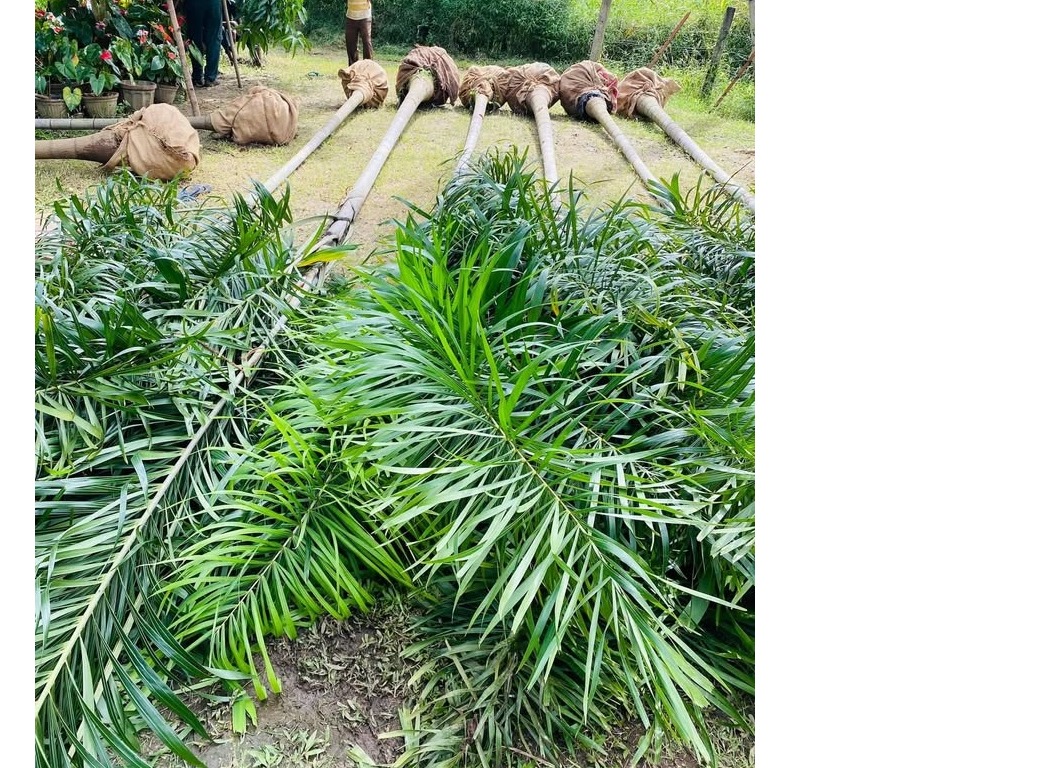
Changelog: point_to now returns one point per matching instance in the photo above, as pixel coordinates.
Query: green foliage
(142, 309)
(539, 29)
(70, 65)
(538, 421)
(138, 58)
(582, 499)
(550, 30)
(547, 420)
(265, 24)
(105, 75)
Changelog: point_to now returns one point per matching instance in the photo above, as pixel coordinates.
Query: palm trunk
(200, 122)
(649, 107)
(329, 128)
(596, 108)
(481, 102)
(420, 89)
(99, 147)
(539, 103)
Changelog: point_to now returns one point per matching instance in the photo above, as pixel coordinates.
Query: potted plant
(102, 98)
(48, 106)
(171, 74)
(50, 35)
(72, 72)
(139, 60)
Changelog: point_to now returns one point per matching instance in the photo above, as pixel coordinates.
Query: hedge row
(548, 30)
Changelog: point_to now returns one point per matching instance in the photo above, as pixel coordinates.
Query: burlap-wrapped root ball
(260, 116)
(156, 142)
(643, 82)
(368, 77)
(525, 79)
(442, 69)
(489, 80)
(581, 82)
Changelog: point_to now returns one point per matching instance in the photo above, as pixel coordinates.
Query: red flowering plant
(172, 72)
(50, 43)
(138, 57)
(105, 73)
(161, 42)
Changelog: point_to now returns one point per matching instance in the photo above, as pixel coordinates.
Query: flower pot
(55, 90)
(48, 107)
(139, 94)
(166, 93)
(103, 105)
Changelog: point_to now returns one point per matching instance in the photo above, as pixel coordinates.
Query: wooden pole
(231, 41)
(670, 39)
(715, 57)
(201, 122)
(751, 19)
(743, 68)
(179, 37)
(598, 38)
(473, 131)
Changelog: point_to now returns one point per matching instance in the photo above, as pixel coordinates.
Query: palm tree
(365, 83)
(481, 88)
(426, 75)
(645, 93)
(157, 142)
(146, 316)
(260, 116)
(534, 88)
(547, 417)
(587, 90)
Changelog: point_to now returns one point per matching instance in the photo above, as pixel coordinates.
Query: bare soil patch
(343, 686)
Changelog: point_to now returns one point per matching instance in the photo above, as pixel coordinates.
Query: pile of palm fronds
(144, 312)
(537, 419)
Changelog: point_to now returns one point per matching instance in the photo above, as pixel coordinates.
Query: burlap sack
(643, 82)
(260, 116)
(583, 81)
(368, 77)
(156, 142)
(524, 79)
(489, 80)
(435, 59)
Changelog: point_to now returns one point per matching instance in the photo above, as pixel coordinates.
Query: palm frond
(138, 335)
(557, 424)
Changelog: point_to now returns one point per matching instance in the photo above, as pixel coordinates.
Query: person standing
(204, 29)
(358, 25)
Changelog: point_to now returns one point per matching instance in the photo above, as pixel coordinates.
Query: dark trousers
(361, 28)
(204, 29)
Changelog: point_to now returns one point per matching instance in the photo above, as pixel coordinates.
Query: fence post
(712, 70)
(669, 40)
(598, 38)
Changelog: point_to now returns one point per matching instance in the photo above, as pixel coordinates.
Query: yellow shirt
(358, 9)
